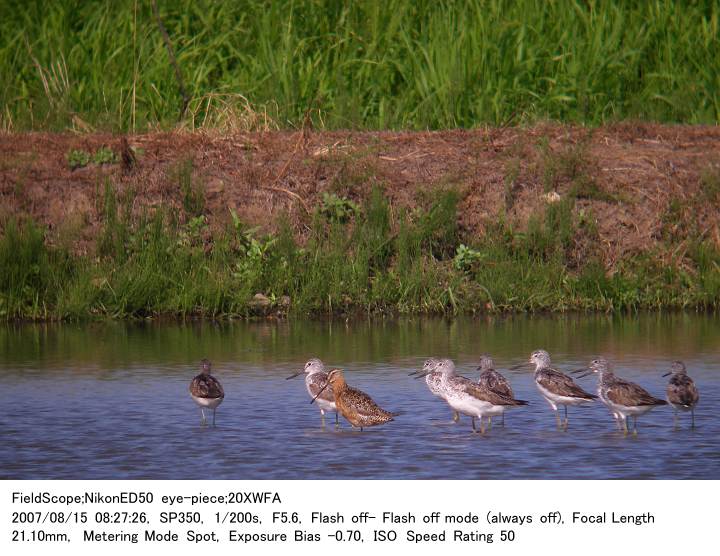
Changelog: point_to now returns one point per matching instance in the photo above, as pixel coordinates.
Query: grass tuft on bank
(360, 256)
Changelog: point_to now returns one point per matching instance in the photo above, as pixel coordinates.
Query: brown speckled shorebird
(493, 381)
(206, 390)
(682, 394)
(623, 398)
(356, 406)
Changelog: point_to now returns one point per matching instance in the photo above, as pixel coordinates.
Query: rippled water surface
(111, 400)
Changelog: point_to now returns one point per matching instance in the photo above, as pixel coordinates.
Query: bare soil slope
(643, 184)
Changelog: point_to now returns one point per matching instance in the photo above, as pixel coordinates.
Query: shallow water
(111, 400)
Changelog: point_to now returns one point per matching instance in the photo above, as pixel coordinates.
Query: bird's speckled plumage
(681, 390)
(492, 380)
(356, 406)
(206, 386)
(206, 390)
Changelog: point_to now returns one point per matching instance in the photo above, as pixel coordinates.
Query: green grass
(379, 259)
(389, 64)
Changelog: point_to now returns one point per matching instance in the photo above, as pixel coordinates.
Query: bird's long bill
(421, 374)
(413, 373)
(519, 366)
(320, 392)
(295, 374)
(668, 373)
(578, 371)
(581, 373)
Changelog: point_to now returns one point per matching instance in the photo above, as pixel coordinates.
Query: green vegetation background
(384, 64)
(375, 64)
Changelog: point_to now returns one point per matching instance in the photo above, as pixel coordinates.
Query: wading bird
(466, 397)
(557, 388)
(492, 380)
(315, 379)
(356, 406)
(206, 390)
(433, 379)
(623, 398)
(682, 394)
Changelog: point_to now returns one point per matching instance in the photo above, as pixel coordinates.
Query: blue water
(111, 401)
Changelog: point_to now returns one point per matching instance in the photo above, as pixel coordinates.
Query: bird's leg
(557, 419)
(618, 421)
(625, 427)
(692, 415)
(482, 424)
(503, 419)
(337, 419)
(203, 421)
(473, 424)
(489, 421)
(456, 417)
(566, 419)
(635, 425)
(213, 417)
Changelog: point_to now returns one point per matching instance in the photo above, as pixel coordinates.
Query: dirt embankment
(642, 184)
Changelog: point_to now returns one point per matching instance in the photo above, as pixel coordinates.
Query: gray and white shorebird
(206, 391)
(469, 398)
(493, 380)
(433, 379)
(623, 398)
(315, 380)
(682, 394)
(556, 387)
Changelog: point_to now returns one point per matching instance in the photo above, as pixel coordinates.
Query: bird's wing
(493, 380)
(216, 389)
(561, 384)
(624, 392)
(315, 383)
(681, 390)
(205, 386)
(484, 394)
(362, 403)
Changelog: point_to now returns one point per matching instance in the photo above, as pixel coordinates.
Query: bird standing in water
(556, 387)
(493, 381)
(433, 379)
(467, 397)
(623, 398)
(315, 379)
(682, 393)
(356, 406)
(206, 390)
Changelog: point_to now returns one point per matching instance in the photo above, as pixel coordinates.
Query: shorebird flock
(490, 396)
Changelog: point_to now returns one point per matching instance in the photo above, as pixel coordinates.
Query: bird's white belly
(210, 403)
(556, 400)
(629, 410)
(468, 405)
